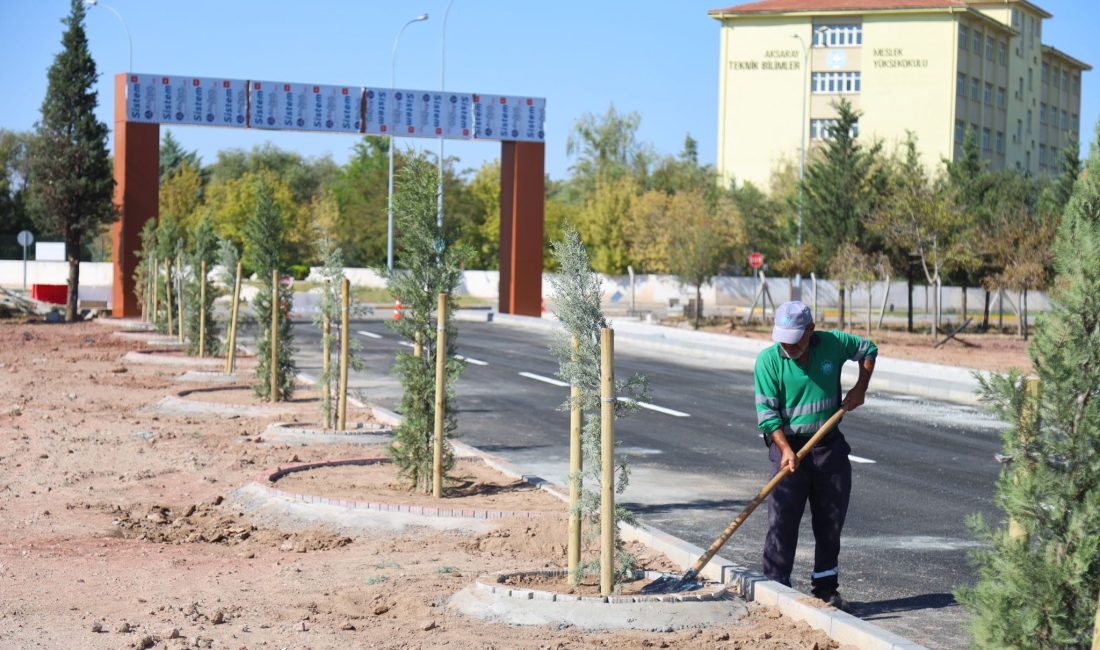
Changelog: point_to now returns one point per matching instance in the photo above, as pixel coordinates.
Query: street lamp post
(97, 3)
(802, 141)
(393, 135)
(442, 88)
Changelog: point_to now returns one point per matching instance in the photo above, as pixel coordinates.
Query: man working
(797, 390)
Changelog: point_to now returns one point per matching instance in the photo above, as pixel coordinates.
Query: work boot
(834, 599)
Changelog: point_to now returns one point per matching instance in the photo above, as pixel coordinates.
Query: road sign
(25, 239)
(756, 260)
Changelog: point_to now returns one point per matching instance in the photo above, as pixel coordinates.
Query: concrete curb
(930, 380)
(840, 626)
(270, 476)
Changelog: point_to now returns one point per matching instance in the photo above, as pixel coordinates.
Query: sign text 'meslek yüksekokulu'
(304, 107)
(347, 109)
(500, 117)
(170, 99)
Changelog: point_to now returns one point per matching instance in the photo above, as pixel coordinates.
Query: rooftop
(790, 6)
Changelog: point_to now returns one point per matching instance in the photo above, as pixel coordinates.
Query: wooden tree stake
(607, 461)
(440, 396)
(345, 300)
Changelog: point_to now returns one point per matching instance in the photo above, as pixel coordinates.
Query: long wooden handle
(763, 494)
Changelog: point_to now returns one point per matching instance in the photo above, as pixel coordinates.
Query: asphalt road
(920, 468)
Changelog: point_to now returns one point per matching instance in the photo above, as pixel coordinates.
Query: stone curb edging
(493, 583)
(840, 626)
(196, 407)
(155, 357)
(270, 476)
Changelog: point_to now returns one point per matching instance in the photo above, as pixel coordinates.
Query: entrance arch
(137, 198)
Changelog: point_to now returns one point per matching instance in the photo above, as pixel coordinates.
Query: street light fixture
(442, 87)
(97, 3)
(393, 135)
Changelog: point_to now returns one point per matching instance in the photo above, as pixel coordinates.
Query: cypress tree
(1041, 592)
(69, 165)
(434, 266)
(577, 306)
(204, 248)
(265, 235)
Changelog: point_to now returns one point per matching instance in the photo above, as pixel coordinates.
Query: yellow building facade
(932, 67)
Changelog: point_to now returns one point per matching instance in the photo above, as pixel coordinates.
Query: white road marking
(546, 380)
(859, 459)
(476, 362)
(371, 335)
(659, 409)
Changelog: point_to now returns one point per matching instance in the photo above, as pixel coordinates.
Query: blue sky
(657, 58)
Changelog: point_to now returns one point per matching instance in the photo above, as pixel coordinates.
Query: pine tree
(1041, 592)
(434, 267)
(70, 169)
(203, 244)
(577, 305)
(839, 187)
(265, 237)
(1057, 195)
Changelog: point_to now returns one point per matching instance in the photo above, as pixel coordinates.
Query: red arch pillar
(522, 194)
(137, 175)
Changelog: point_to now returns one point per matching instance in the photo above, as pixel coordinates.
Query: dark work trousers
(824, 478)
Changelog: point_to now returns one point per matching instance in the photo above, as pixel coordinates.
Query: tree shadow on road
(878, 609)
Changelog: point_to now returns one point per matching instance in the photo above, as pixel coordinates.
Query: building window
(1020, 89)
(1065, 120)
(1075, 125)
(822, 129)
(1065, 79)
(1029, 121)
(987, 95)
(986, 143)
(1019, 131)
(976, 40)
(1017, 19)
(1076, 84)
(1057, 79)
(1000, 142)
(1043, 155)
(1030, 77)
(989, 47)
(1002, 97)
(974, 88)
(960, 131)
(1044, 76)
(1042, 113)
(960, 84)
(835, 82)
(964, 36)
(1027, 160)
(838, 36)
(1002, 53)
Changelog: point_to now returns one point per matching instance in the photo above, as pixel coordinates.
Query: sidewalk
(929, 380)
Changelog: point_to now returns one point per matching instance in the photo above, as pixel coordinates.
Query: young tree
(923, 219)
(702, 239)
(332, 277)
(602, 222)
(433, 266)
(203, 244)
(265, 252)
(70, 169)
(146, 277)
(1040, 591)
(577, 305)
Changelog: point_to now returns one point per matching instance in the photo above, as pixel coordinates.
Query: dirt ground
(119, 529)
(988, 351)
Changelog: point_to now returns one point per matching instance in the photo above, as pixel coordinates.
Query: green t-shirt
(800, 399)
